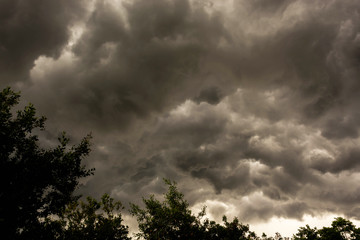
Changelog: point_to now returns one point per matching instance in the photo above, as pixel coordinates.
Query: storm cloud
(251, 106)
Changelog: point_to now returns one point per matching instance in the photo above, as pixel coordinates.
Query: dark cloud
(211, 95)
(30, 29)
(250, 105)
(128, 68)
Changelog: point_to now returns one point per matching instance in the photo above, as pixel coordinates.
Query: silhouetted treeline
(37, 195)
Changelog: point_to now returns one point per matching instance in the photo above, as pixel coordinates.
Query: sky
(252, 107)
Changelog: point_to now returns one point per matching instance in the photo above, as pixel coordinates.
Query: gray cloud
(211, 95)
(252, 106)
(30, 29)
(127, 69)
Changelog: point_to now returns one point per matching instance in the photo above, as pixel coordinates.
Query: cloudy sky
(251, 106)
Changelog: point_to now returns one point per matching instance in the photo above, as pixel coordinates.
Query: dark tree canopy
(172, 219)
(90, 220)
(34, 182)
(341, 229)
(306, 233)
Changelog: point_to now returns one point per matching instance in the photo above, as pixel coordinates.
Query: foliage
(172, 219)
(91, 220)
(35, 182)
(228, 230)
(306, 233)
(340, 229)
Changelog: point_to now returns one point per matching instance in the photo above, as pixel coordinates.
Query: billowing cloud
(31, 29)
(251, 106)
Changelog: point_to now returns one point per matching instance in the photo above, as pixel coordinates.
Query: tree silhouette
(90, 220)
(172, 219)
(35, 182)
(341, 229)
(306, 233)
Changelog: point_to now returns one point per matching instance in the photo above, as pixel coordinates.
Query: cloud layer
(251, 106)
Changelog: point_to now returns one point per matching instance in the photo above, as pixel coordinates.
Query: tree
(35, 182)
(306, 233)
(227, 231)
(172, 219)
(265, 237)
(340, 229)
(91, 220)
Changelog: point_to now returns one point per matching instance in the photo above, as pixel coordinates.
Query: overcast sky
(251, 106)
